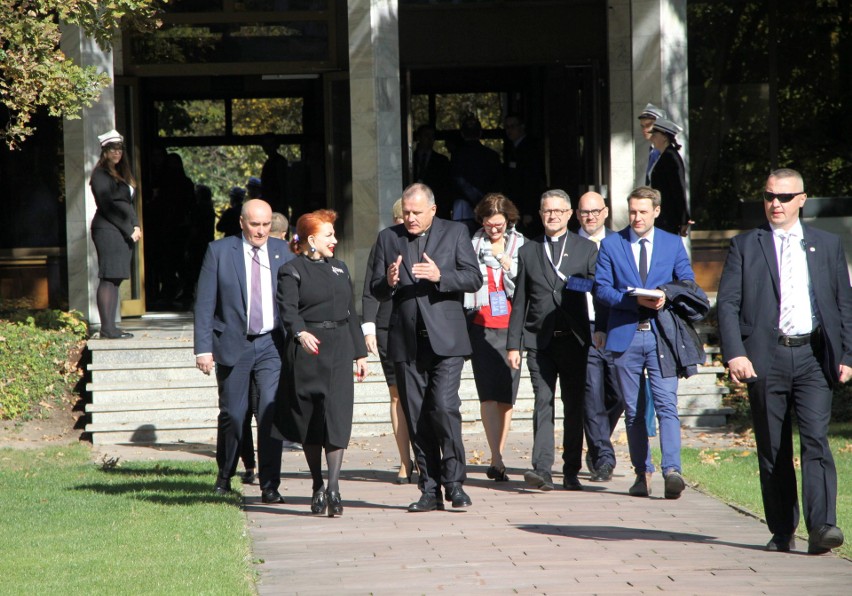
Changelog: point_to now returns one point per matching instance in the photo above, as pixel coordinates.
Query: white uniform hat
(112, 136)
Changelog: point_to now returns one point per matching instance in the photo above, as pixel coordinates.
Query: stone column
(376, 124)
(622, 123)
(660, 72)
(81, 154)
(647, 63)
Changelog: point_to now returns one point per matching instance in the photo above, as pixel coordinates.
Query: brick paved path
(516, 540)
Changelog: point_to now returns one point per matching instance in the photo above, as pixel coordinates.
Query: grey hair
(417, 187)
(555, 192)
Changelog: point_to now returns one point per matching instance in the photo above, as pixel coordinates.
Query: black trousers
(603, 407)
(429, 392)
(261, 358)
(564, 359)
(797, 384)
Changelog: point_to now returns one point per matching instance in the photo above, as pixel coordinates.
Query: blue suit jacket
(616, 271)
(221, 301)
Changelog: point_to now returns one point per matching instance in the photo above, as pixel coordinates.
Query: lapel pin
(812, 249)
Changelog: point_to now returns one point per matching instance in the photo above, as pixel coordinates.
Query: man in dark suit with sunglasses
(785, 321)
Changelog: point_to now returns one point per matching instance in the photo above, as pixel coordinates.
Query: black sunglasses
(784, 197)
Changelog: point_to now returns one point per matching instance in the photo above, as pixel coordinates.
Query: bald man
(602, 403)
(237, 334)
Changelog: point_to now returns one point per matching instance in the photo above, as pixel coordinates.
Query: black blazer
(669, 177)
(749, 299)
(540, 293)
(440, 304)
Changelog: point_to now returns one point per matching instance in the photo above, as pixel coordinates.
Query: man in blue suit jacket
(641, 256)
(237, 332)
(790, 362)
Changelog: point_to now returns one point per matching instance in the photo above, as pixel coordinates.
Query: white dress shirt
(635, 246)
(803, 311)
(265, 285)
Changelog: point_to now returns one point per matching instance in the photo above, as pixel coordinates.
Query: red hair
(309, 225)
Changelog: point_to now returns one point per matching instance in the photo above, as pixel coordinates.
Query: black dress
(315, 401)
(112, 225)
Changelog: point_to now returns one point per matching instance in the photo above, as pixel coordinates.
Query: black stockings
(107, 299)
(334, 461)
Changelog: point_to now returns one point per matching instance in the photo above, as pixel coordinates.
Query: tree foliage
(35, 73)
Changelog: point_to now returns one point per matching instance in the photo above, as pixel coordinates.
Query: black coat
(669, 177)
(680, 348)
(541, 303)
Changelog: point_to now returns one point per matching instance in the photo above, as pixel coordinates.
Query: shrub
(35, 364)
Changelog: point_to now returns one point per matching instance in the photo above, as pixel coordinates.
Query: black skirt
(495, 379)
(114, 252)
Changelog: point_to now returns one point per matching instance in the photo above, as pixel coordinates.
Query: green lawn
(69, 526)
(732, 476)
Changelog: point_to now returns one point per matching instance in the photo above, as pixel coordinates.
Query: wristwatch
(298, 337)
(499, 256)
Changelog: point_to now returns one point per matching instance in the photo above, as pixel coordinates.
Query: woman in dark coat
(669, 177)
(115, 228)
(317, 308)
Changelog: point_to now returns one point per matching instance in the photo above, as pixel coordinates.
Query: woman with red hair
(317, 308)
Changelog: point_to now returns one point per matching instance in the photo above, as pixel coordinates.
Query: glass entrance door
(127, 122)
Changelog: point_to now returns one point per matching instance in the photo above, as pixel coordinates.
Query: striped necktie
(788, 284)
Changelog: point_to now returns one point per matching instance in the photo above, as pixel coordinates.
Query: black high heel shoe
(497, 474)
(318, 502)
(334, 505)
(406, 479)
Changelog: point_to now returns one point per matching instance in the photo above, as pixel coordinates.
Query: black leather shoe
(456, 495)
(781, 543)
(334, 505)
(271, 496)
(539, 479)
(674, 484)
(602, 474)
(427, 502)
(115, 334)
(248, 477)
(824, 539)
(641, 486)
(497, 474)
(571, 482)
(222, 486)
(319, 502)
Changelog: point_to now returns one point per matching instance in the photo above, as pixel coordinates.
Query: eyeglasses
(590, 212)
(557, 212)
(494, 226)
(784, 197)
(115, 148)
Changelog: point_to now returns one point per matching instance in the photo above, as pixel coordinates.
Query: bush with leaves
(36, 369)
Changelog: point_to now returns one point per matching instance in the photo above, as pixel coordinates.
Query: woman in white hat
(668, 176)
(115, 228)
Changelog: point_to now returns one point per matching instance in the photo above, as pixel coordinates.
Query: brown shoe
(642, 486)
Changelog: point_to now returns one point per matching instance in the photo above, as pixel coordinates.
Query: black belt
(422, 333)
(794, 341)
(326, 324)
(559, 333)
(254, 337)
(643, 326)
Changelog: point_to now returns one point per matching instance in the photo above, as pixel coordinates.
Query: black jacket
(680, 348)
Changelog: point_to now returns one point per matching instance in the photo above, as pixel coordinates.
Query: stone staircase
(147, 390)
